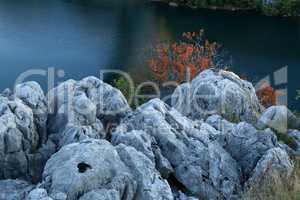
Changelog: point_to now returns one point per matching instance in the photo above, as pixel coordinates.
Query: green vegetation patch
(288, 140)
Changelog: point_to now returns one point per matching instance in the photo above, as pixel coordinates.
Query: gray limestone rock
(217, 92)
(14, 189)
(182, 143)
(101, 194)
(33, 96)
(151, 186)
(275, 167)
(88, 106)
(279, 118)
(18, 138)
(243, 142)
(78, 168)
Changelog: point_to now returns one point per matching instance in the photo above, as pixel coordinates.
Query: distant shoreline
(220, 8)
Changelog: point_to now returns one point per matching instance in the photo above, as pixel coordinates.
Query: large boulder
(18, 138)
(274, 168)
(33, 96)
(24, 145)
(201, 166)
(279, 118)
(14, 189)
(245, 144)
(79, 168)
(217, 92)
(94, 169)
(84, 109)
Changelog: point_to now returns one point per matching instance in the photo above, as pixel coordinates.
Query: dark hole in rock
(175, 184)
(82, 167)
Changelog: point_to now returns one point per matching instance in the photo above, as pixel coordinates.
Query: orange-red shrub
(180, 60)
(267, 96)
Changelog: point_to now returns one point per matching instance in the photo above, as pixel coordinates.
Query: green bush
(123, 85)
(283, 7)
(220, 3)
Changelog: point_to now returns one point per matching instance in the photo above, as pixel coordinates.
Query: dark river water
(81, 37)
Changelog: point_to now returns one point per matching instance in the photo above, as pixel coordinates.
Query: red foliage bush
(267, 96)
(183, 60)
(178, 60)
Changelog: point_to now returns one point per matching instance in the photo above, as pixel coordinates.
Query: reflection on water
(82, 37)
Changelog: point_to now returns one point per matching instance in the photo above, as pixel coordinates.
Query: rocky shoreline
(284, 8)
(82, 141)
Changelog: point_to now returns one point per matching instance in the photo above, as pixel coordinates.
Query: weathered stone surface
(59, 196)
(162, 164)
(274, 167)
(146, 144)
(151, 186)
(262, 159)
(279, 118)
(14, 189)
(187, 150)
(181, 99)
(73, 134)
(81, 167)
(244, 143)
(102, 194)
(223, 170)
(38, 194)
(296, 135)
(217, 92)
(7, 93)
(88, 106)
(93, 167)
(181, 196)
(24, 148)
(33, 96)
(140, 140)
(18, 138)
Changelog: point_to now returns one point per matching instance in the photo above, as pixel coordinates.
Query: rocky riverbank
(267, 7)
(82, 141)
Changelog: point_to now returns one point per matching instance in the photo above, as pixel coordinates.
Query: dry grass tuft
(278, 191)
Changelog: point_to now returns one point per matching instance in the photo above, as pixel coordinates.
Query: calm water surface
(81, 37)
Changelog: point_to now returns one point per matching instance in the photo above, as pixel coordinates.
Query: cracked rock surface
(83, 109)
